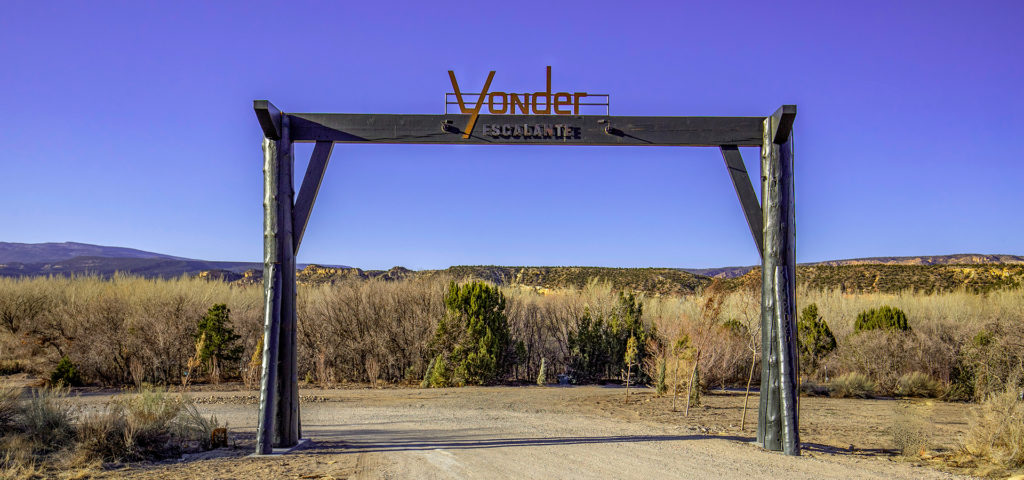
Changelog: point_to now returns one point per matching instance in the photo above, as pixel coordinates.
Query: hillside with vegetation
(869, 278)
(659, 281)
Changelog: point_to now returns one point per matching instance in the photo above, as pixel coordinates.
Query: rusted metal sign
(544, 102)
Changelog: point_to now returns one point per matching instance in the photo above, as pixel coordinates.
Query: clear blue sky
(131, 124)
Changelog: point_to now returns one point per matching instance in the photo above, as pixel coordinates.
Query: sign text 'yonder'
(499, 103)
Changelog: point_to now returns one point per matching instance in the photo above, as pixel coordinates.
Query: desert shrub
(885, 357)
(881, 318)
(852, 385)
(121, 330)
(814, 337)
(341, 325)
(46, 419)
(21, 307)
(917, 384)
(996, 431)
(725, 358)
(17, 459)
(909, 434)
(992, 357)
(11, 367)
(473, 336)
(148, 425)
(65, 373)
(8, 407)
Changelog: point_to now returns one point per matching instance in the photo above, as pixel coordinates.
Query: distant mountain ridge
(54, 252)
(72, 258)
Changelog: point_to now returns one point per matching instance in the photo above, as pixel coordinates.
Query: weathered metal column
(778, 422)
(272, 299)
(287, 432)
(279, 416)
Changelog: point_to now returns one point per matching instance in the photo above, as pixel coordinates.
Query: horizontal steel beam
(269, 117)
(527, 129)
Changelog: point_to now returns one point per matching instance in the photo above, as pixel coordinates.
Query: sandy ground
(555, 432)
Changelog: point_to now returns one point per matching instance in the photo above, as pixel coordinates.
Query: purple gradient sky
(130, 124)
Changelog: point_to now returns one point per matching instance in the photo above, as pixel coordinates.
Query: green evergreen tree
(814, 337)
(597, 347)
(221, 342)
(473, 336)
(588, 353)
(438, 376)
(660, 386)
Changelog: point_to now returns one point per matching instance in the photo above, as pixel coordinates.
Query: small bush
(8, 407)
(852, 385)
(150, 425)
(66, 373)
(997, 429)
(917, 384)
(11, 367)
(812, 389)
(47, 420)
(438, 376)
(882, 318)
(542, 377)
(909, 434)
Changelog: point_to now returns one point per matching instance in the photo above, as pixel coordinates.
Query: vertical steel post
(778, 423)
(279, 393)
(272, 299)
(286, 431)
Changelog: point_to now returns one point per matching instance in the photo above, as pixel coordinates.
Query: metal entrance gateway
(771, 224)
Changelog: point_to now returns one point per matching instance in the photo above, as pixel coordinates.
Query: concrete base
(303, 442)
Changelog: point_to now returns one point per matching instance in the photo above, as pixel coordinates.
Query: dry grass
(852, 385)
(46, 433)
(910, 433)
(997, 429)
(917, 384)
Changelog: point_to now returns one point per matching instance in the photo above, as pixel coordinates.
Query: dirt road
(505, 432)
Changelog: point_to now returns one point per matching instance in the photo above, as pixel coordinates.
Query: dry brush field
(960, 346)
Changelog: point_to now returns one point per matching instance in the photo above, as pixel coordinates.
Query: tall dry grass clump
(996, 430)
(852, 385)
(44, 430)
(147, 425)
